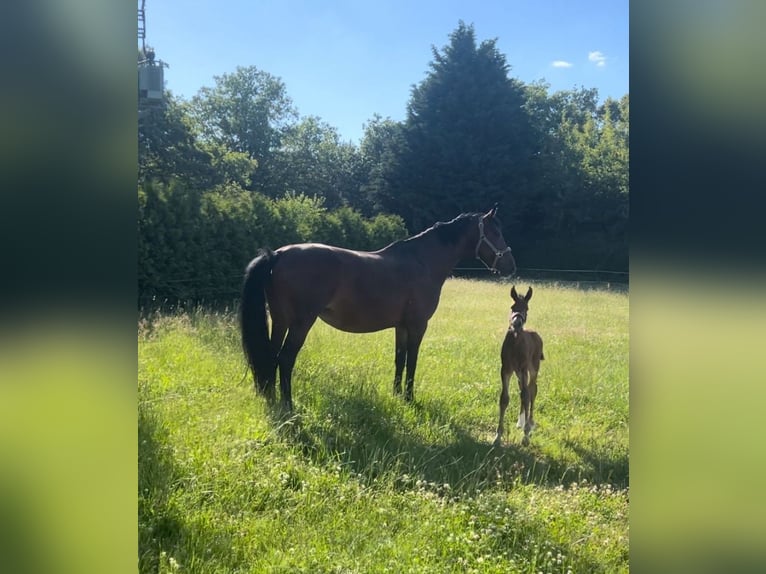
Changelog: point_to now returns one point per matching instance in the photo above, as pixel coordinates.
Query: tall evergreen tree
(467, 136)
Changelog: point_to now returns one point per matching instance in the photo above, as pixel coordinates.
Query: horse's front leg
(400, 357)
(414, 338)
(505, 377)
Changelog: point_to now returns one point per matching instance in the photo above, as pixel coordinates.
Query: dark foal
(521, 353)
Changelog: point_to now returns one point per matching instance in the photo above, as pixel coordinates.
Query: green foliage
(468, 141)
(557, 163)
(384, 229)
(586, 157)
(168, 230)
(245, 112)
(194, 245)
(168, 147)
(232, 166)
(360, 481)
(380, 151)
(312, 160)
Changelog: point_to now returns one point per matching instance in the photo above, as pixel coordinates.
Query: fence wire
(228, 297)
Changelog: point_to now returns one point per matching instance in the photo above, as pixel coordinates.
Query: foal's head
(519, 309)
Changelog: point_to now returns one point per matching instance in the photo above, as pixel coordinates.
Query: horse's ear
(491, 212)
(528, 296)
(514, 295)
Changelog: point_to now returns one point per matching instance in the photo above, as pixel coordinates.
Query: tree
(467, 137)
(168, 148)
(313, 160)
(380, 152)
(581, 180)
(246, 112)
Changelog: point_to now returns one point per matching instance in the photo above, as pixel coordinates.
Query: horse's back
(303, 279)
(354, 291)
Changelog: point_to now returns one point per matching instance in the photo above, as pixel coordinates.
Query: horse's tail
(253, 319)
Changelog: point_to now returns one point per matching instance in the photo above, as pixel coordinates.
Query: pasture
(357, 480)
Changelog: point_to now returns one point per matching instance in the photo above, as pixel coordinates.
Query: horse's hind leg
(296, 336)
(278, 331)
(505, 377)
(400, 358)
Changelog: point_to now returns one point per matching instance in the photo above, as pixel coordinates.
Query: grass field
(359, 481)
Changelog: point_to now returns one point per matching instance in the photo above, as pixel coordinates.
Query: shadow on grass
(165, 529)
(373, 437)
(160, 528)
(604, 467)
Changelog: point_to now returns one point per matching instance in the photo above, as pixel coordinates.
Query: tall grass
(356, 480)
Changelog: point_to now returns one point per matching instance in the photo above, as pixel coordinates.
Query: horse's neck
(440, 258)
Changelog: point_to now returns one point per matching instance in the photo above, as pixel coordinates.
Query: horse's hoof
(525, 440)
(498, 442)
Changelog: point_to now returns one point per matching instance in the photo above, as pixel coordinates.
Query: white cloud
(561, 64)
(598, 58)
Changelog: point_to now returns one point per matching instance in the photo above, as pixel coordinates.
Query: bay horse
(521, 353)
(359, 292)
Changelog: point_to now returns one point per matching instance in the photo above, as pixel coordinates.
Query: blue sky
(346, 60)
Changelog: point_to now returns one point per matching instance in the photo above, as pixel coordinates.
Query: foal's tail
(253, 320)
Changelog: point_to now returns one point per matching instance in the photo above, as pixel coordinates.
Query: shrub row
(194, 245)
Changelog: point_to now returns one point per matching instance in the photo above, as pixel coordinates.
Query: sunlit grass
(359, 481)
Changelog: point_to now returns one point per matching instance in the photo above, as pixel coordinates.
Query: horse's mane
(451, 231)
(448, 232)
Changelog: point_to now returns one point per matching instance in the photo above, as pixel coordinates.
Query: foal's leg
(522, 401)
(400, 356)
(524, 395)
(296, 336)
(414, 338)
(505, 377)
(532, 395)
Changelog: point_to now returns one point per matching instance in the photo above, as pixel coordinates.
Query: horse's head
(491, 248)
(519, 308)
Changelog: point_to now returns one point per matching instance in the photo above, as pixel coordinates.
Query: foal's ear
(528, 296)
(514, 295)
